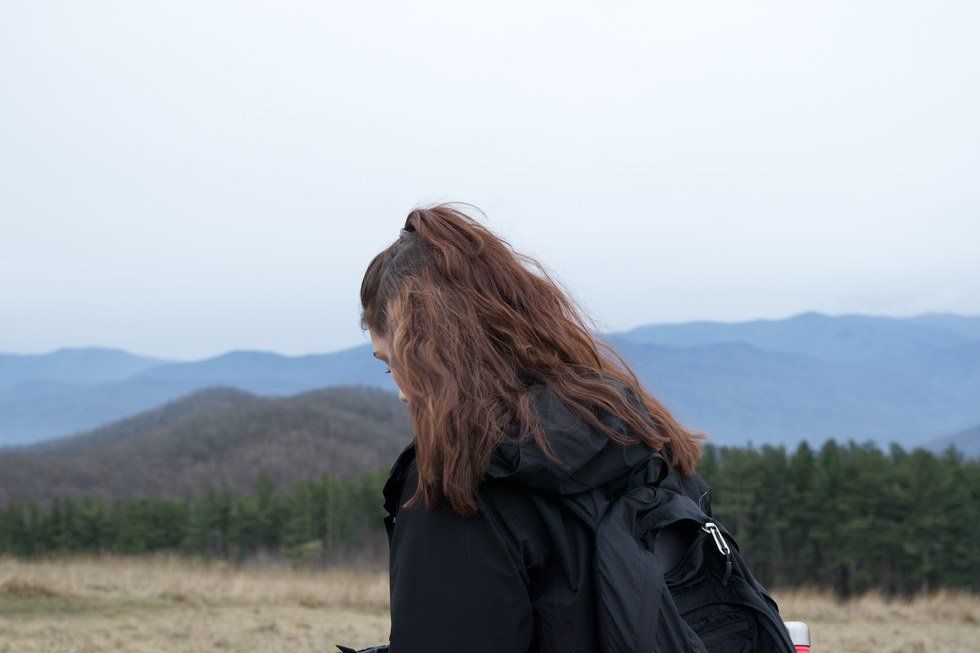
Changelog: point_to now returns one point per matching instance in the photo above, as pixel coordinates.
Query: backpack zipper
(687, 555)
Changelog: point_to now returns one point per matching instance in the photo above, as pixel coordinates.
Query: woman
(521, 418)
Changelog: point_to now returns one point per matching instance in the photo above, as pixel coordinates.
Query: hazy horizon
(221, 352)
(185, 179)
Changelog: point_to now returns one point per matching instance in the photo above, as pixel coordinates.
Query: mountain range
(915, 381)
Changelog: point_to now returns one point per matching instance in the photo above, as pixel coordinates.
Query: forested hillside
(215, 437)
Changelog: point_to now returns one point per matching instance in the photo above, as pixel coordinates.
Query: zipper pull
(712, 529)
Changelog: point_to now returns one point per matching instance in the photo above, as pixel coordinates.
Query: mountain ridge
(811, 376)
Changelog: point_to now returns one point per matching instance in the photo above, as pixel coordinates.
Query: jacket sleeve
(455, 585)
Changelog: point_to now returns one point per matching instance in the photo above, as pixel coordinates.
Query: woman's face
(382, 351)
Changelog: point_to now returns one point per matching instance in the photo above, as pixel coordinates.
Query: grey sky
(181, 179)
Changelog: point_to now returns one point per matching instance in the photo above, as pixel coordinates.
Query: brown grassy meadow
(171, 604)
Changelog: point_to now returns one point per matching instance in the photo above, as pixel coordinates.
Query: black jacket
(517, 576)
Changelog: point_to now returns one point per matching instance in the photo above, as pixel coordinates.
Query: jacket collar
(392, 490)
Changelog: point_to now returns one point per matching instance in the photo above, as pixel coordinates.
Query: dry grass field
(169, 604)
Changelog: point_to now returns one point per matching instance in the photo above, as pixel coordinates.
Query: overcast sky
(185, 178)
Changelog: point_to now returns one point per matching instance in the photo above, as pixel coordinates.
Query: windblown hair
(472, 325)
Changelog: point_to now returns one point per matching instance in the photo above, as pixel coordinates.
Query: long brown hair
(472, 323)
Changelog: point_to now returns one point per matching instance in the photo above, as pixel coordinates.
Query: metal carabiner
(712, 529)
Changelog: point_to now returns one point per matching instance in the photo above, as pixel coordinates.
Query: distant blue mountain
(38, 407)
(846, 338)
(811, 376)
(273, 374)
(89, 365)
(967, 441)
(738, 393)
(965, 325)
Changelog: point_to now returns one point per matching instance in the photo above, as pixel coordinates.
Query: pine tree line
(329, 512)
(848, 517)
(851, 517)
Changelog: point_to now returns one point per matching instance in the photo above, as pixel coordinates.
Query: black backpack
(670, 578)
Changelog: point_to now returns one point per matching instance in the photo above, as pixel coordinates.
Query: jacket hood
(587, 459)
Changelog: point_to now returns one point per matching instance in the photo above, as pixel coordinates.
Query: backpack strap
(632, 594)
